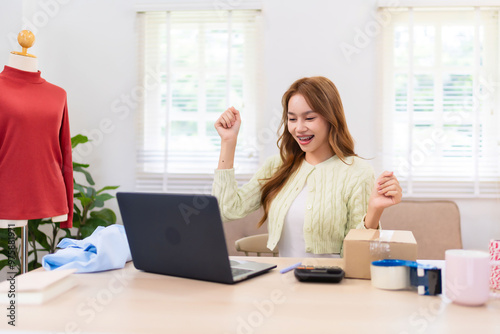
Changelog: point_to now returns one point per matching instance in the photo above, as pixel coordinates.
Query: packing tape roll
(495, 270)
(391, 274)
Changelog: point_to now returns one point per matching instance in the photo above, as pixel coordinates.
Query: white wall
(89, 48)
(303, 38)
(10, 22)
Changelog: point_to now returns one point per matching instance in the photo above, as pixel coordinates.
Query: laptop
(181, 235)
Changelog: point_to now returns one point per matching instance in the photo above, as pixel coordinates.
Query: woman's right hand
(228, 124)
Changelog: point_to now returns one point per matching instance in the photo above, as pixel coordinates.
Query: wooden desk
(131, 301)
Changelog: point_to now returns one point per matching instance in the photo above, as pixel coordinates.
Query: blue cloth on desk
(107, 248)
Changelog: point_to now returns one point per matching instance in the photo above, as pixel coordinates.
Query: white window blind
(441, 124)
(194, 65)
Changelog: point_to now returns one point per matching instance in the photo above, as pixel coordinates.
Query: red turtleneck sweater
(36, 169)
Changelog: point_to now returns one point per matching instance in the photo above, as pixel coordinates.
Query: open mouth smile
(304, 140)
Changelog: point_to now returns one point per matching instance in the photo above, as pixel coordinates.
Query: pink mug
(467, 276)
(495, 270)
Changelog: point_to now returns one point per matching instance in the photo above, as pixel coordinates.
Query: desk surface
(132, 301)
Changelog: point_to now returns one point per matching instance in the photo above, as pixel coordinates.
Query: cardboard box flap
(381, 235)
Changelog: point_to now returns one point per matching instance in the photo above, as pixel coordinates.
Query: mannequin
(28, 64)
(25, 62)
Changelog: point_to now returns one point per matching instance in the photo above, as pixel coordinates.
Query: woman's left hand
(386, 192)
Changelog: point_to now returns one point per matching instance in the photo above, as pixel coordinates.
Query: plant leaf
(78, 139)
(88, 177)
(100, 199)
(85, 201)
(77, 210)
(96, 204)
(4, 263)
(104, 197)
(107, 188)
(91, 192)
(77, 164)
(79, 187)
(105, 214)
(4, 238)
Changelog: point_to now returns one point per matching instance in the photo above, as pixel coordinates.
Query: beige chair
(241, 229)
(435, 225)
(255, 244)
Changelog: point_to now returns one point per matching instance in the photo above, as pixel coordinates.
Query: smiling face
(309, 129)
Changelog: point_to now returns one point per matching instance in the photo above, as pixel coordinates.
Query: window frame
(433, 186)
(247, 154)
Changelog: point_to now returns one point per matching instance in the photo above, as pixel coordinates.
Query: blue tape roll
(391, 263)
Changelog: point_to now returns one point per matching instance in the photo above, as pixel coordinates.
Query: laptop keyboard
(238, 271)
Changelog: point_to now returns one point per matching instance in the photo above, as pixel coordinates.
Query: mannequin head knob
(26, 39)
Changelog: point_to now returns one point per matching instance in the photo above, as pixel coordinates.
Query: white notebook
(37, 287)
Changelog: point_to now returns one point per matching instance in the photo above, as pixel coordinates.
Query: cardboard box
(362, 247)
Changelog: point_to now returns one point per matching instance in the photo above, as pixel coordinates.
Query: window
(194, 65)
(441, 94)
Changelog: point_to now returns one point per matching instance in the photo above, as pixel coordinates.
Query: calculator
(319, 274)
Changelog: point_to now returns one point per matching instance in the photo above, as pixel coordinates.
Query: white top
(292, 242)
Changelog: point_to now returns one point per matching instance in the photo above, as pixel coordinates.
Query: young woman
(317, 188)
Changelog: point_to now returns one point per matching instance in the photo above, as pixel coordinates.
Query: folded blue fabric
(107, 248)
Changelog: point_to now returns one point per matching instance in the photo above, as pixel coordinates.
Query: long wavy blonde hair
(323, 98)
